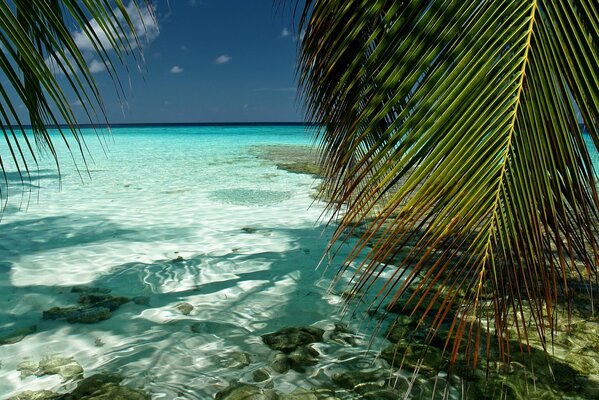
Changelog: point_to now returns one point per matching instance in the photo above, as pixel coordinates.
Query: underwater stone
(311, 394)
(246, 392)
(67, 368)
(354, 379)
(105, 387)
(249, 229)
(413, 355)
(94, 307)
(36, 395)
(302, 356)
(17, 335)
(239, 359)
(102, 300)
(83, 315)
(281, 363)
(27, 368)
(184, 308)
(141, 300)
(288, 339)
(260, 375)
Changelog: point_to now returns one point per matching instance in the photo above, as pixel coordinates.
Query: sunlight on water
(215, 246)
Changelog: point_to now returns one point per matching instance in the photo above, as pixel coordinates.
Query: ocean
(218, 247)
(159, 262)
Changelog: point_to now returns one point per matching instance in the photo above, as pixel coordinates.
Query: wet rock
(102, 300)
(260, 375)
(311, 394)
(342, 335)
(238, 360)
(178, 259)
(141, 300)
(184, 308)
(353, 379)
(105, 387)
(94, 307)
(288, 339)
(82, 315)
(27, 368)
(303, 356)
(66, 367)
(14, 336)
(249, 229)
(246, 392)
(413, 355)
(281, 363)
(36, 395)
(89, 385)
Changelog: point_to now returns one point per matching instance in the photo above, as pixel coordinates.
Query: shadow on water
(236, 297)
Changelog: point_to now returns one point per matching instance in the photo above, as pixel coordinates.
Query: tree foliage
(44, 67)
(452, 132)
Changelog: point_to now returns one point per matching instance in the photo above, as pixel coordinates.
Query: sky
(208, 61)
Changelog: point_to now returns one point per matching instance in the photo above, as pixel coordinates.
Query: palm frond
(37, 44)
(452, 131)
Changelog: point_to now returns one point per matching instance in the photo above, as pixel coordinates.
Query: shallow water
(246, 232)
(173, 215)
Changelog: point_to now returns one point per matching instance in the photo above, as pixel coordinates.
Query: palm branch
(453, 131)
(37, 45)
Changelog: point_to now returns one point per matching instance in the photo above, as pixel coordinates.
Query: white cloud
(225, 58)
(77, 103)
(176, 70)
(96, 66)
(285, 32)
(145, 25)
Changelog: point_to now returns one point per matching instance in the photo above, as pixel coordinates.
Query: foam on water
(247, 233)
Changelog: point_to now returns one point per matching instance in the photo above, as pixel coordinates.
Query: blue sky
(211, 61)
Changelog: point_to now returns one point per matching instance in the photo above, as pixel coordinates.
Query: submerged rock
(82, 315)
(288, 339)
(94, 306)
(246, 392)
(311, 394)
(260, 375)
(238, 360)
(102, 300)
(303, 356)
(66, 367)
(36, 395)
(141, 300)
(14, 336)
(105, 387)
(281, 363)
(184, 308)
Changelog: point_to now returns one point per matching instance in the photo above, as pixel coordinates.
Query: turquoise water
(169, 215)
(216, 246)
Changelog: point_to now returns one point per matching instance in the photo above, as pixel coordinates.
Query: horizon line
(150, 124)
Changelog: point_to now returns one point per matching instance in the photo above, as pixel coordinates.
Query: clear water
(250, 241)
(162, 193)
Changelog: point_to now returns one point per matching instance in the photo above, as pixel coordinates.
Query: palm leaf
(37, 44)
(451, 131)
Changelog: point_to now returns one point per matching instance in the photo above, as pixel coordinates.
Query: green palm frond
(37, 44)
(452, 131)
